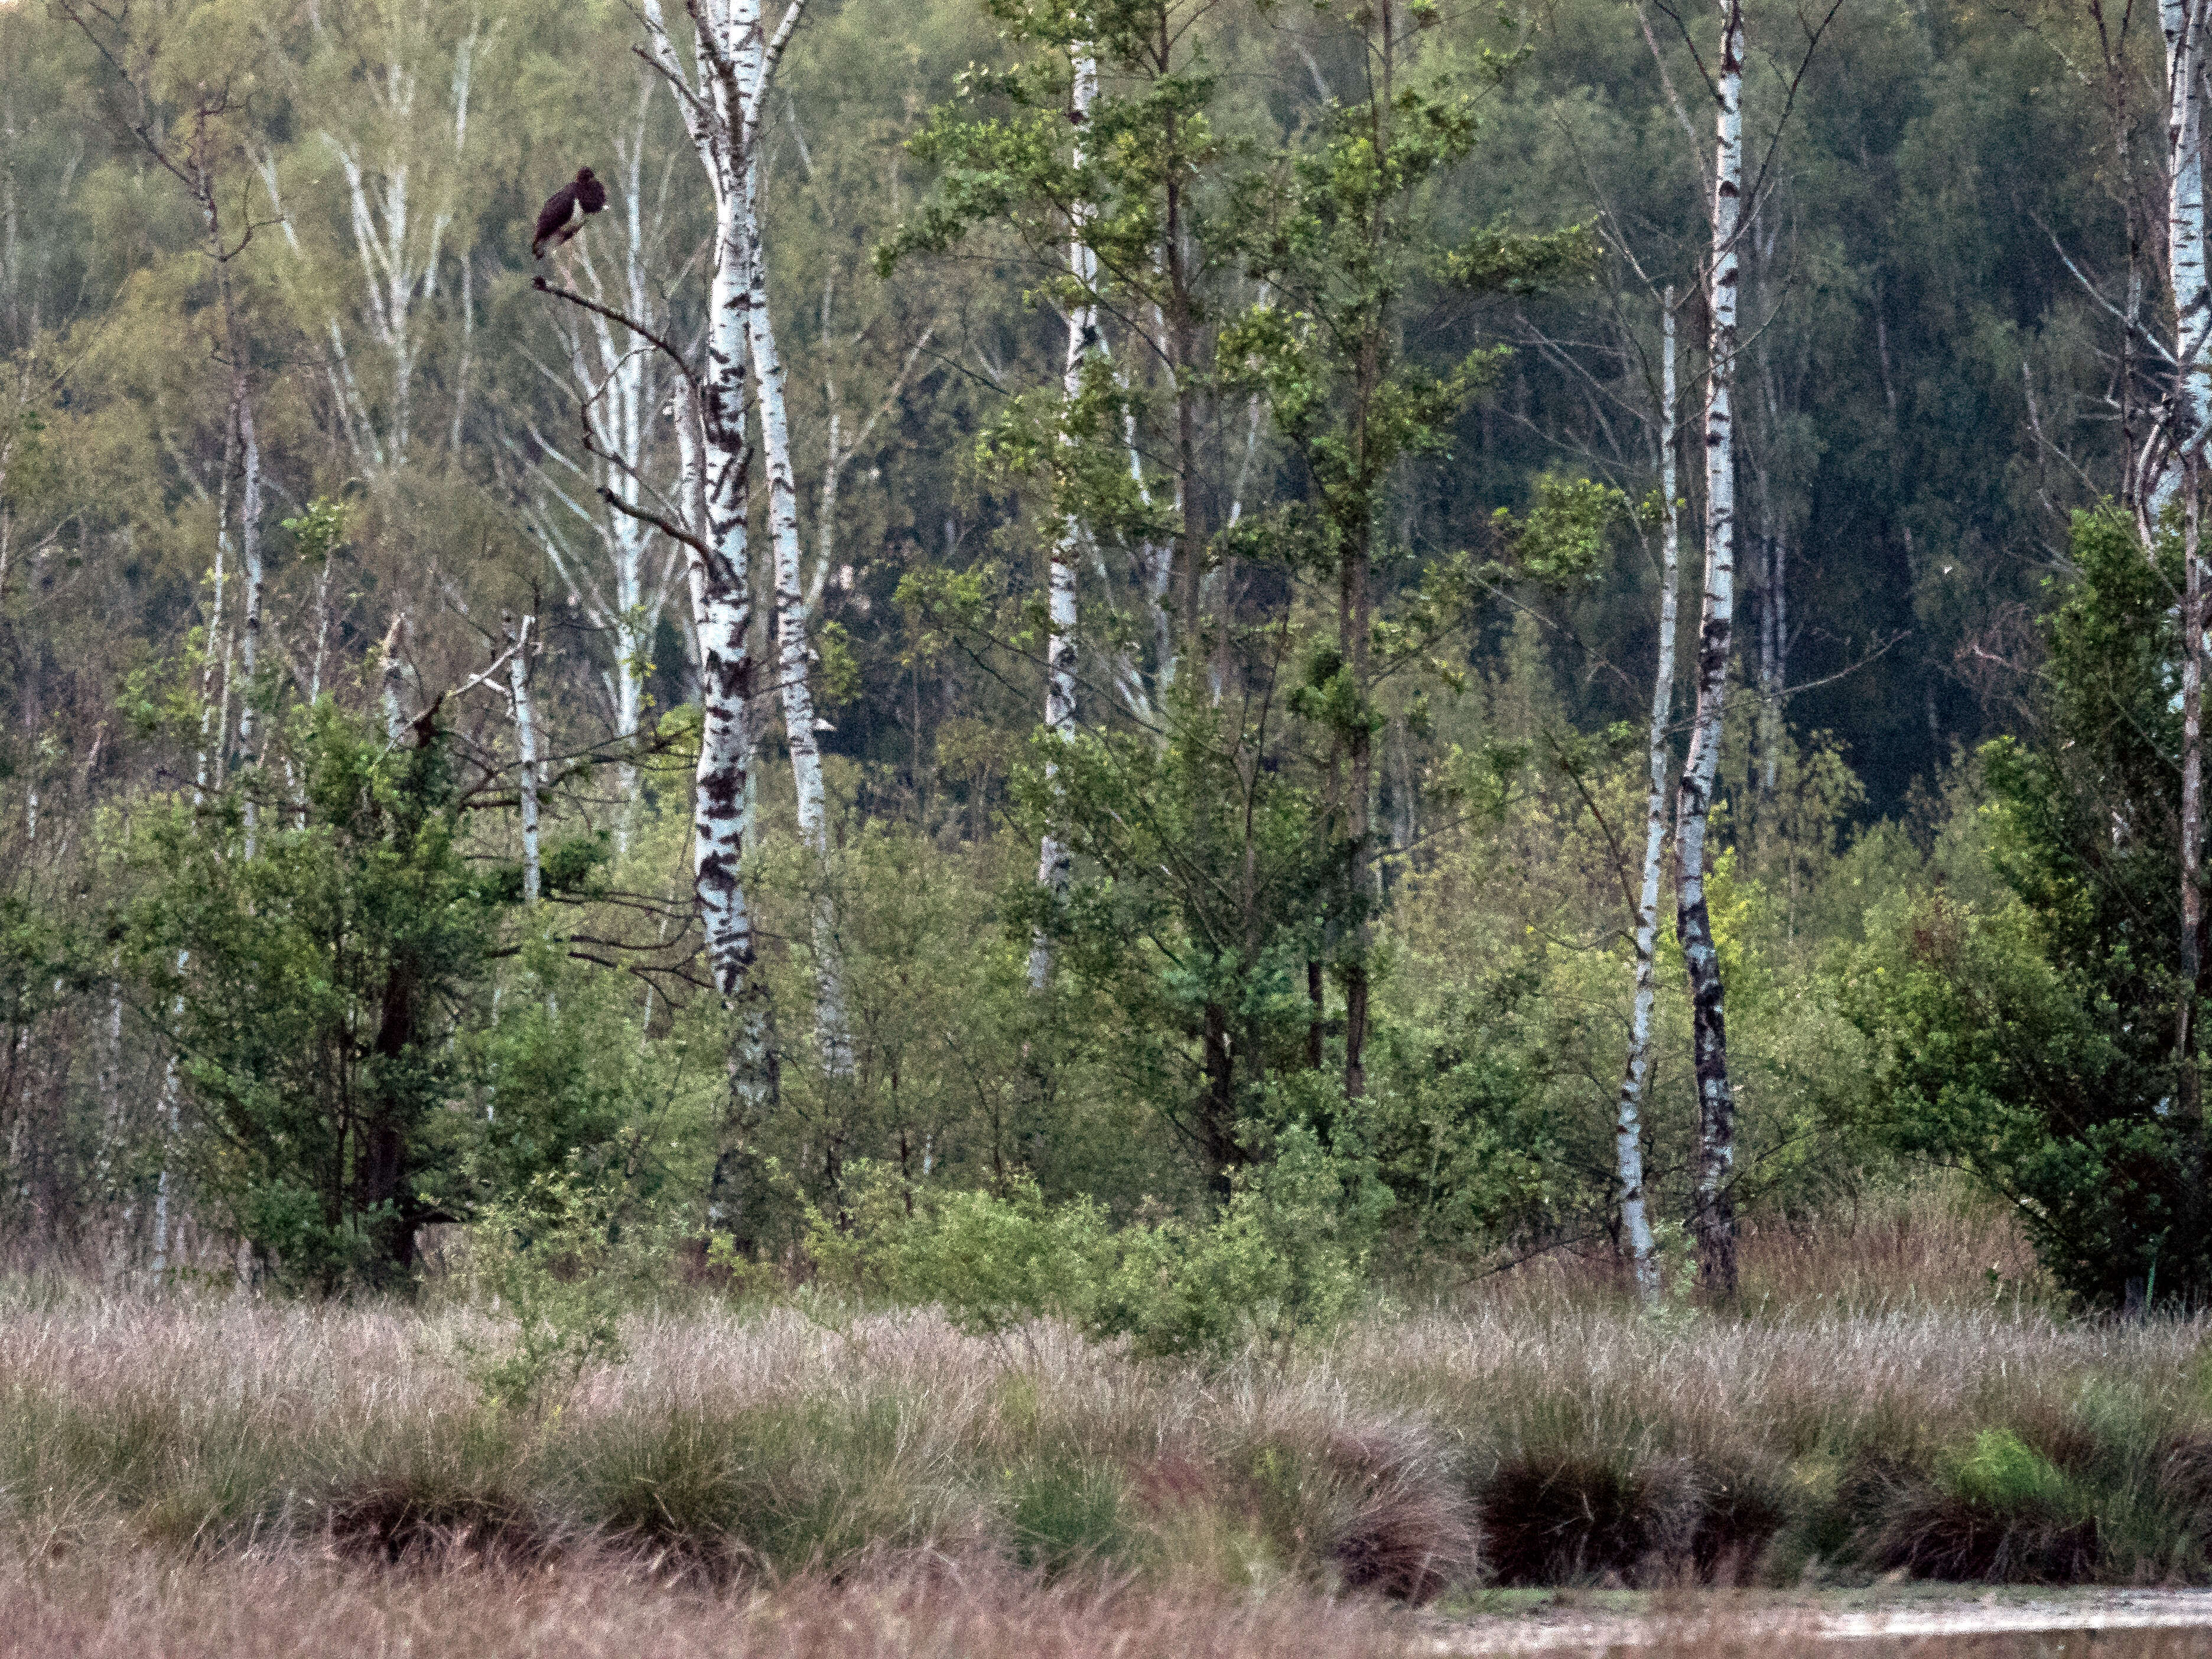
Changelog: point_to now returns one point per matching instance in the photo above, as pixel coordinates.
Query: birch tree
(794, 653)
(1715, 1209)
(2180, 471)
(192, 145)
(1628, 1114)
(519, 653)
(2182, 23)
(1053, 864)
(388, 91)
(1114, 211)
(721, 93)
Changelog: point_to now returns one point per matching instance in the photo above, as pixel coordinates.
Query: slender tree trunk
(1773, 598)
(1778, 684)
(722, 99)
(726, 668)
(249, 637)
(394, 681)
(169, 1125)
(1628, 1116)
(1767, 744)
(525, 744)
(2193, 807)
(1356, 623)
(1182, 331)
(794, 654)
(214, 732)
(1054, 865)
(1715, 1214)
(238, 349)
(111, 1131)
(2183, 24)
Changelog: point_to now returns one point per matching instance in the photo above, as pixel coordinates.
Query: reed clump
(1540, 1434)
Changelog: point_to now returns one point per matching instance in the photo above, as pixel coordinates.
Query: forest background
(355, 703)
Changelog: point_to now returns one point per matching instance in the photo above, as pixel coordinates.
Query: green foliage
(2002, 1471)
(312, 990)
(556, 1252)
(1561, 540)
(320, 531)
(2031, 1041)
(1285, 1258)
(1498, 260)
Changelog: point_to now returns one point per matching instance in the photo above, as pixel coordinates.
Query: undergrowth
(1514, 1436)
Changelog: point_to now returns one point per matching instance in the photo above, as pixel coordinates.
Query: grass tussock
(127, 1604)
(1525, 1438)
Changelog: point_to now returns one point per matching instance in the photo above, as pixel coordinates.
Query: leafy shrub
(556, 1258)
(2031, 1042)
(1285, 1256)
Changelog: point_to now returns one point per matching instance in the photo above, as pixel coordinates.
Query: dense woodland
(1040, 645)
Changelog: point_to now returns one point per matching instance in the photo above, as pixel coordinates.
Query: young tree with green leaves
(1228, 832)
(2027, 1040)
(1338, 236)
(312, 990)
(1098, 171)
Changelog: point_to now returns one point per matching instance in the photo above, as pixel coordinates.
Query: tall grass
(120, 1605)
(1541, 1431)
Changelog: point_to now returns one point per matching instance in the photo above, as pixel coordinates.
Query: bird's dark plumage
(565, 210)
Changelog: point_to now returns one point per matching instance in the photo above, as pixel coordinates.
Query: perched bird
(565, 210)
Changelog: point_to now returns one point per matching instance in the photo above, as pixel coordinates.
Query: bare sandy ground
(1780, 1627)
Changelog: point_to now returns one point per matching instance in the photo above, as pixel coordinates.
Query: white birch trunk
(111, 1134)
(2183, 24)
(215, 726)
(1715, 1217)
(395, 714)
(721, 97)
(249, 635)
(1054, 865)
(526, 746)
(169, 1124)
(1628, 1116)
(794, 654)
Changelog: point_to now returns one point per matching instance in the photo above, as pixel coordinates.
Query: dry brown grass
(134, 1604)
(1531, 1434)
(1935, 1243)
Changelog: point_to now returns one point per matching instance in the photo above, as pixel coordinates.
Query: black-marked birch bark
(1715, 1214)
(2183, 24)
(2179, 472)
(794, 653)
(525, 744)
(1053, 864)
(392, 679)
(721, 95)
